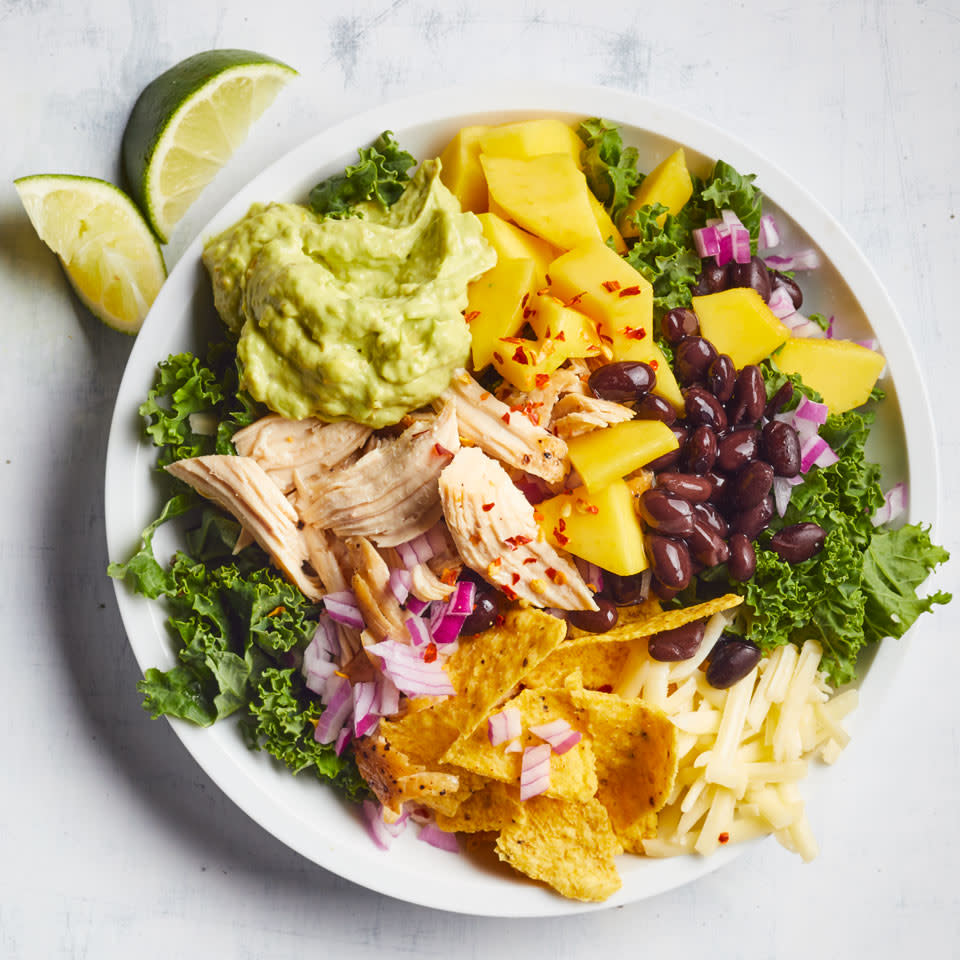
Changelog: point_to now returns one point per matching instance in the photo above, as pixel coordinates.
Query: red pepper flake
(508, 592)
(496, 561)
(430, 653)
(471, 315)
(547, 278)
(603, 337)
(514, 578)
(654, 364)
(511, 339)
(575, 299)
(526, 297)
(276, 611)
(611, 285)
(499, 620)
(592, 508)
(543, 290)
(538, 516)
(449, 576)
(561, 524)
(556, 576)
(529, 559)
(506, 417)
(605, 688)
(630, 291)
(529, 410)
(498, 358)
(529, 312)
(518, 541)
(441, 451)
(547, 334)
(560, 538)
(520, 356)
(724, 837)
(634, 333)
(541, 380)
(487, 507)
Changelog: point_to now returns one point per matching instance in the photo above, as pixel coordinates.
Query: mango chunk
(608, 454)
(546, 195)
(841, 371)
(495, 304)
(737, 322)
(532, 138)
(601, 527)
(512, 243)
(668, 183)
(521, 362)
(460, 170)
(573, 332)
(608, 229)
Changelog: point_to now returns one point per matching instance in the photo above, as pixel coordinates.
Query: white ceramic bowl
(304, 813)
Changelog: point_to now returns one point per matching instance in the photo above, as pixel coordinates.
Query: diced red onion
(400, 583)
(894, 504)
(871, 344)
(398, 825)
(793, 320)
(418, 630)
(463, 598)
(769, 235)
(416, 606)
(558, 733)
(436, 539)
(432, 834)
(343, 738)
(404, 665)
(807, 329)
(725, 253)
(326, 637)
(781, 303)
(740, 236)
(342, 607)
(707, 242)
(373, 821)
(364, 706)
(782, 490)
(812, 411)
(339, 703)
(535, 771)
(505, 725)
(816, 452)
(318, 673)
(591, 573)
(388, 697)
(515, 746)
(407, 555)
(830, 323)
(807, 259)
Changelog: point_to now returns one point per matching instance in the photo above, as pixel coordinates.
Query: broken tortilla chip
(600, 662)
(486, 810)
(567, 844)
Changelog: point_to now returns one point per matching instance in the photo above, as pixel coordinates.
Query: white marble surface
(112, 842)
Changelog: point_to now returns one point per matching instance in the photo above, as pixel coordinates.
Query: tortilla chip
(488, 809)
(569, 845)
(572, 774)
(636, 756)
(600, 662)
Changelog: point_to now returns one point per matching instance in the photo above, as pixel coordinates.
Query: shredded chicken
(508, 435)
(310, 446)
(241, 486)
(575, 415)
(538, 404)
(327, 556)
(390, 494)
(371, 584)
(493, 527)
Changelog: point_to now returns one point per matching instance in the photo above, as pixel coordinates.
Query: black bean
(781, 448)
(679, 323)
(722, 377)
(595, 621)
(796, 294)
(670, 561)
(750, 485)
(752, 522)
(484, 614)
(742, 561)
(666, 512)
(623, 591)
(711, 516)
(749, 396)
(719, 482)
(693, 358)
(664, 592)
(752, 274)
(799, 542)
(779, 400)
(687, 485)
(717, 278)
(672, 458)
(731, 659)
(738, 448)
(652, 407)
(681, 643)
(702, 407)
(706, 545)
(623, 381)
(700, 451)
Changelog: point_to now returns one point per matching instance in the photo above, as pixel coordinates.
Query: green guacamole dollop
(357, 319)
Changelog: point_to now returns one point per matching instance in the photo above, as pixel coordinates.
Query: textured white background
(112, 842)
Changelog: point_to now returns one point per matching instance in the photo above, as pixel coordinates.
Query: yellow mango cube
(532, 138)
(668, 183)
(601, 527)
(460, 170)
(512, 243)
(546, 195)
(609, 454)
(608, 229)
(495, 303)
(737, 322)
(520, 361)
(841, 371)
(573, 333)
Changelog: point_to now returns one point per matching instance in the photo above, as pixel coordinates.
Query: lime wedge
(106, 248)
(187, 123)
